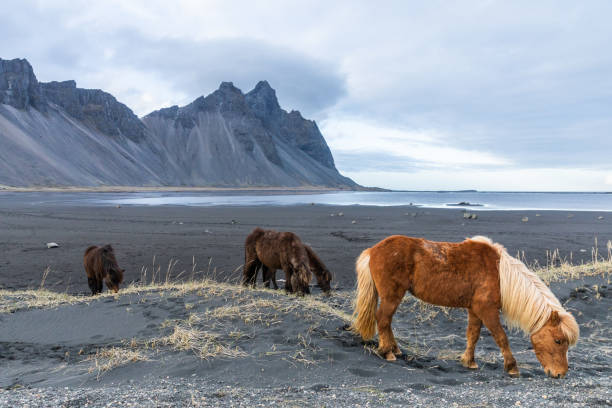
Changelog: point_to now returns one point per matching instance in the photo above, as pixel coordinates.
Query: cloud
(539, 179)
(194, 68)
(432, 86)
(416, 149)
(102, 48)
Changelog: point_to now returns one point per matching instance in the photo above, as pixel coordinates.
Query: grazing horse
(273, 250)
(101, 265)
(317, 267)
(475, 274)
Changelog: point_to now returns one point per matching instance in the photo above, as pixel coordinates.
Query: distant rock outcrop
(96, 108)
(18, 85)
(57, 134)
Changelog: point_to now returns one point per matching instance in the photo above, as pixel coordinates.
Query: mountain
(55, 134)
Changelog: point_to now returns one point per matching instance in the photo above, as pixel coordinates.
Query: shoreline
(178, 189)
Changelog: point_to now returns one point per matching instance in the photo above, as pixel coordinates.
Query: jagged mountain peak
(228, 86)
(262, 100)
(264, 89)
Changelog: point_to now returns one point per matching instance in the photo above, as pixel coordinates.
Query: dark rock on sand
(464, 204)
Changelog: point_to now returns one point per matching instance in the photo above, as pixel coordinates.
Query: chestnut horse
(277, 250)
(317, 267)
(101, 265)
(475, 274)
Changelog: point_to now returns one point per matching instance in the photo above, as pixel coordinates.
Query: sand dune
(267, 340)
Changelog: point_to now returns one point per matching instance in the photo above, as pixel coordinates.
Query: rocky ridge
(57, 134)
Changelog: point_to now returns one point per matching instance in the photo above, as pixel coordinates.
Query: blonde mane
(526, 301)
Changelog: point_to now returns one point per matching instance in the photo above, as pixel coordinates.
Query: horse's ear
(555, 320)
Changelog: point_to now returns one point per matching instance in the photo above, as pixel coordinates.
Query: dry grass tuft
(206, 345)
(558, 268)
(11, 301)
(107, 359)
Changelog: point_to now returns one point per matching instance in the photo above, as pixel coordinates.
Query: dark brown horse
(317, 267)
(475, 274)
(101, 265)
(271, 250)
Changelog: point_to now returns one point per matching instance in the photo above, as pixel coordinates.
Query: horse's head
(115, 278)
(551, 342)
(324, 280)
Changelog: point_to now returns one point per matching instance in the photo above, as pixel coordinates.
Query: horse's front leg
(472, 334)
(288, 275)
(490, 317)
(92, 285)
(269, 276)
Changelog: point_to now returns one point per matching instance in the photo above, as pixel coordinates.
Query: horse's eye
(558, 341)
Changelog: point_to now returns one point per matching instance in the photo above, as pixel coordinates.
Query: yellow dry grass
(13, 300)
(112, 357)
(557, 269)
(204, 344)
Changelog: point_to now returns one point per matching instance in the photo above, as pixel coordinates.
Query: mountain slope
(57, 134)
(220, 139)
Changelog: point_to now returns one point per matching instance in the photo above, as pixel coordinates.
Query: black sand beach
(150, 237)
(222, 345)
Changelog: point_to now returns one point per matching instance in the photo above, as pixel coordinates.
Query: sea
(473, 200)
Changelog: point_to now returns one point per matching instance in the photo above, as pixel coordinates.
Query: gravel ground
(180, 392)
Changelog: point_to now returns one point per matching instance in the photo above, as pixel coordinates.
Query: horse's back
(273, 247)
(442, 273)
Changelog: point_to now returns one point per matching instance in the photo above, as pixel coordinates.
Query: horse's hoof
(514, 373)
(471, 364)
(390, 356)
(396, 350)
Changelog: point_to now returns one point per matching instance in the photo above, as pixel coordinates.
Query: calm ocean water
(485, 200)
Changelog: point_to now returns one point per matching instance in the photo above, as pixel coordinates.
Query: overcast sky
(488, 95)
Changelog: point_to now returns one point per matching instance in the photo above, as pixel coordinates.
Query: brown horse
(273, 250)
(101, 265)
(475, 274)
(317, 267)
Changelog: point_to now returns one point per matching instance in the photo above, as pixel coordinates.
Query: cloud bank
(487, 94)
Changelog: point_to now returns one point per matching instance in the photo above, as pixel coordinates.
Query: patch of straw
(109, 358)
(205, 345)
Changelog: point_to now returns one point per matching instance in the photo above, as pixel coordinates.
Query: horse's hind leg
(251, 265)
(472, 334)
(387, 346)
(489, 315)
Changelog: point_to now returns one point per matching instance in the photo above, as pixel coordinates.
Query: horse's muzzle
(556, 376)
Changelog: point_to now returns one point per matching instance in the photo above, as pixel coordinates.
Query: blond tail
(364, 315)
